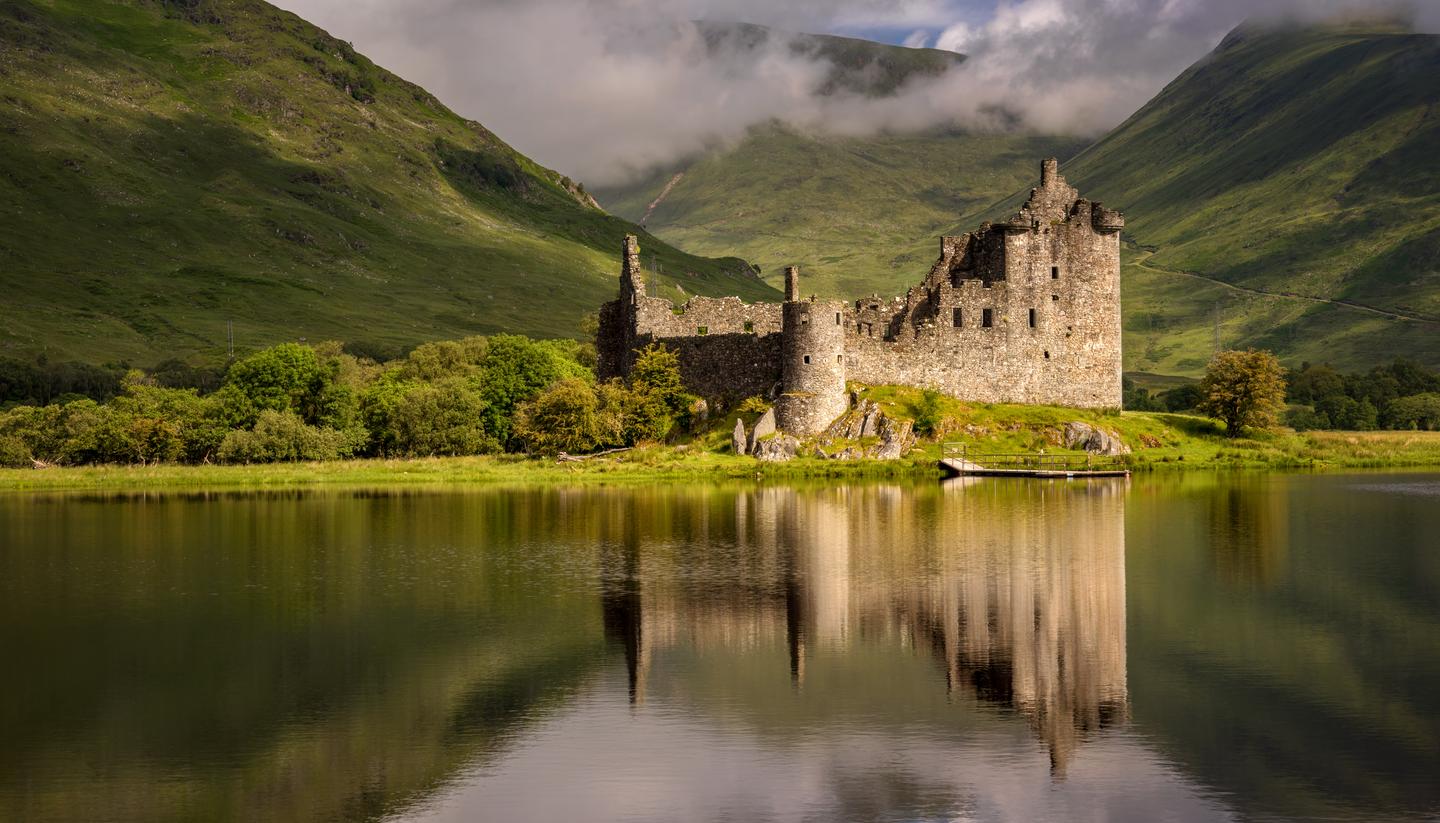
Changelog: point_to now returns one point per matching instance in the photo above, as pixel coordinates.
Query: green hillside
(1299, 171)
(858, 215)
(1286, 185)
(857, 66)
(167, 168)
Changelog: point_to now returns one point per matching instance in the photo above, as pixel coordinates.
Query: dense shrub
(282, 437)
(14, 453)
(563, 418)
(929, 412)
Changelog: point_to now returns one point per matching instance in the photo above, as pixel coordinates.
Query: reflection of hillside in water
(1016, 591)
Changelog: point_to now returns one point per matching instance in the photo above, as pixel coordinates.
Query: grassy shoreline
(1311, 451)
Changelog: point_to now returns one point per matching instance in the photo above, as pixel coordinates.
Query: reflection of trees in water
(1249, 530)
(1017, 591)
(270, 656)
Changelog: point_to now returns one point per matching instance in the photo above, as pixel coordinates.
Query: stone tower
(812, 362)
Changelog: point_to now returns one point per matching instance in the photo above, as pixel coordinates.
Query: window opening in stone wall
(807, 359)
(1047, 355)
(749, 327)
(1032, 318)
(1054, 272)
(702, 330)
(958, 319)
(869, 329)
(840, 359)
(1055, 298)
(984, 284)
(837, 318)
(987, 318)
(804, 319)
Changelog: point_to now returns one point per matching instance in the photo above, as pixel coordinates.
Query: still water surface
(1164, 649)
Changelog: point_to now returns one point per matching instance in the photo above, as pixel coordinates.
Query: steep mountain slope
(858, 214)
(859, 66)
(1297, 170)
(167, 168)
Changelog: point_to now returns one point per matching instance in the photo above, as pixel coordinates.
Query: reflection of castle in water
(1017, 591)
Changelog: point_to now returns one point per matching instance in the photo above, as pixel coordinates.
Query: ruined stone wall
(728, 349)
(1025, 311)
(1053, 333)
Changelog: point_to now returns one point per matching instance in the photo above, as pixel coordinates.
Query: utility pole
(230, 337)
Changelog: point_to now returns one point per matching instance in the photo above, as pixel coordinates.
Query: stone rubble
(1094, 440)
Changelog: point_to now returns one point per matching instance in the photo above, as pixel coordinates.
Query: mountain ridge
(172, 170)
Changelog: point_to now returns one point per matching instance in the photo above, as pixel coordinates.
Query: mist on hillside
(607, 90)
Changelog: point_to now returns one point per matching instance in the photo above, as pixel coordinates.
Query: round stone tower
(813, 362)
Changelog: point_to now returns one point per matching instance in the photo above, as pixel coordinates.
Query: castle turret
(813, 362)
(1049, 172)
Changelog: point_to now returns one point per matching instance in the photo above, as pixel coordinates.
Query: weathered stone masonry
(1026, 311)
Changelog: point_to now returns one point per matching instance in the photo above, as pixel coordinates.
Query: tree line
(1402, 395)
(480, 395)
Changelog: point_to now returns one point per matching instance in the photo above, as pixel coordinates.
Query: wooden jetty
(958, 461)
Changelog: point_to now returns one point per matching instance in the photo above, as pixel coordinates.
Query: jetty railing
(1034, 461)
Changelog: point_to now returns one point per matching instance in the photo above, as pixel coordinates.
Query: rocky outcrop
(776, 449)
(866, 421)
(896, 438)
(764, 427)
(1094, 440)
(738, 441)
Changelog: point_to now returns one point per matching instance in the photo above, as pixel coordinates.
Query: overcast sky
(606, 89)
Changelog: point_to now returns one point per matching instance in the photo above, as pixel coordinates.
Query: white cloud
(604, 89)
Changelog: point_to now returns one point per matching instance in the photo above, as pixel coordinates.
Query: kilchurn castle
(1024, 311)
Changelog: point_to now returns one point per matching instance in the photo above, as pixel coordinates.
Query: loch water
(1184, 647)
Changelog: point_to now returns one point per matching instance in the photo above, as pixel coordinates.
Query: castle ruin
(1024, 311)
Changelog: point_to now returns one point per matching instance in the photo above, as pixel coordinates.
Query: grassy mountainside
(858, 215)
(168, 167)
(1296, 172)
(857, 66)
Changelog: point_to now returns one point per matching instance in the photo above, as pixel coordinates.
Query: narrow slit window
(1047, 355)
(1032, 318)
(837, 318)
(959, 318)
(1054, 272)
(987, 318)
(807, 359)
(840, 359)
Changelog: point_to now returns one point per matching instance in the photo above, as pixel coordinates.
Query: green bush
(283, 437)
(563, 418)
(426, 419)
(929, 412)
(14, 453)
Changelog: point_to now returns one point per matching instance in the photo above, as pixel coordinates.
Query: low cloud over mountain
(606, 89)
